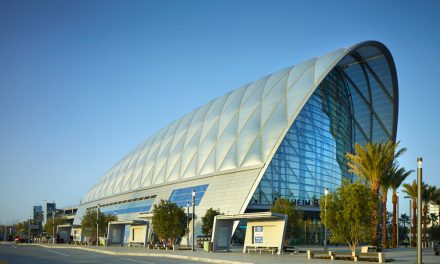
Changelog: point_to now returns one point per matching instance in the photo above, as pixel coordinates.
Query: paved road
(35, 254)
(12, 254)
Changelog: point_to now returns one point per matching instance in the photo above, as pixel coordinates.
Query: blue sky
(83, 82)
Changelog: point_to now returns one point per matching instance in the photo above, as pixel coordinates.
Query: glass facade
(353, 104)
(312, 155)
(141, 205)
(184, 195)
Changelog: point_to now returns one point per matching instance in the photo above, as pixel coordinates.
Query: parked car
(19, 239)
(437, 248)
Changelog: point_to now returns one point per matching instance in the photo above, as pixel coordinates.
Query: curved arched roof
(243, 127)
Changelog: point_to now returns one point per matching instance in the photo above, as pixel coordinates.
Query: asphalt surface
(12, 254)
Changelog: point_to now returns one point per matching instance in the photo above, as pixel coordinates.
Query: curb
(200, 259)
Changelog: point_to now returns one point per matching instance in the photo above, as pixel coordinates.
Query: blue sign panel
(258, 235)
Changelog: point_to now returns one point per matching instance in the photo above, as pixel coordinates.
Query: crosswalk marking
(53, 251)
(138, 261)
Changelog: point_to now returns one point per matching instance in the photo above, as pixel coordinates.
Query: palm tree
(433, 218)
(404, 220)
(373, 163)
(427, 196)
(397, 176)
(384, 186)
(411, 190)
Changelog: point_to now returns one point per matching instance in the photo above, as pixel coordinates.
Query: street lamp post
(419, 210)
(187, 222)
(53, 227)
(397, 211)
(193, 216)
(325, 211)
(29, 230)
(97, 226)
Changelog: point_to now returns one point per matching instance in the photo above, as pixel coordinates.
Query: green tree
(208, 221)
(169, 221)
(428, 192)
(48, 227)
(294, 217)
(433, 219)
(348, 214)
(434, 232)
(397, 176)
(373, 163)
(88, 224)
(21, 228)
(411, 190)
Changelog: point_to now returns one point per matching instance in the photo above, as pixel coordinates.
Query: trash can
(207, 246)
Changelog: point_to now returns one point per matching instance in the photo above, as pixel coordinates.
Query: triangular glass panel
(297, 94)
(273, 128)
(209, 165)
(325, 63)
(225, 141)
(252, 88)
(190, 149)
(274, 79)
(206, 147)
(190, 170)
(248, 135)
(175, 172)
(298, 70)
(230, 160)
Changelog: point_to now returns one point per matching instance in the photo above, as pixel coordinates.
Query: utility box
(207, 246)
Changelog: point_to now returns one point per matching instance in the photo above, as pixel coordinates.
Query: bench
(159, 246)
(367, 249)
(136, 244)
(333, 255)
(261, 249)
(312, 254)
(290, 249)
(380, 256)
(150, 246)
(184, 247)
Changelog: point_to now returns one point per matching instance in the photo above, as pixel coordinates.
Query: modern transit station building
(283, 135)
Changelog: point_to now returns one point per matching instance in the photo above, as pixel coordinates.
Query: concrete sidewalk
(400, 255)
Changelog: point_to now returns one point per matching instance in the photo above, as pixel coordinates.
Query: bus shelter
(265, 229)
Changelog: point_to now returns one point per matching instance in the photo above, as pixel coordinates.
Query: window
(183, 196)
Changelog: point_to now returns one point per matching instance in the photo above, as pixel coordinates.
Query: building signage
(306, 203)
(258, 235)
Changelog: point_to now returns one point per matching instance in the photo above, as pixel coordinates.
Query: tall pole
(193, 216)
(419, 210)
(187, 222)
(397, 211)
(29, 230)
(53, 227)
(97, 226)
(410, 223)
(325, 211)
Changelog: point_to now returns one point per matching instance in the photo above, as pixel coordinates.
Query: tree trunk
(414, 206)
(375, 216)
(384, 219)
(395, 223)
(425, 215)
